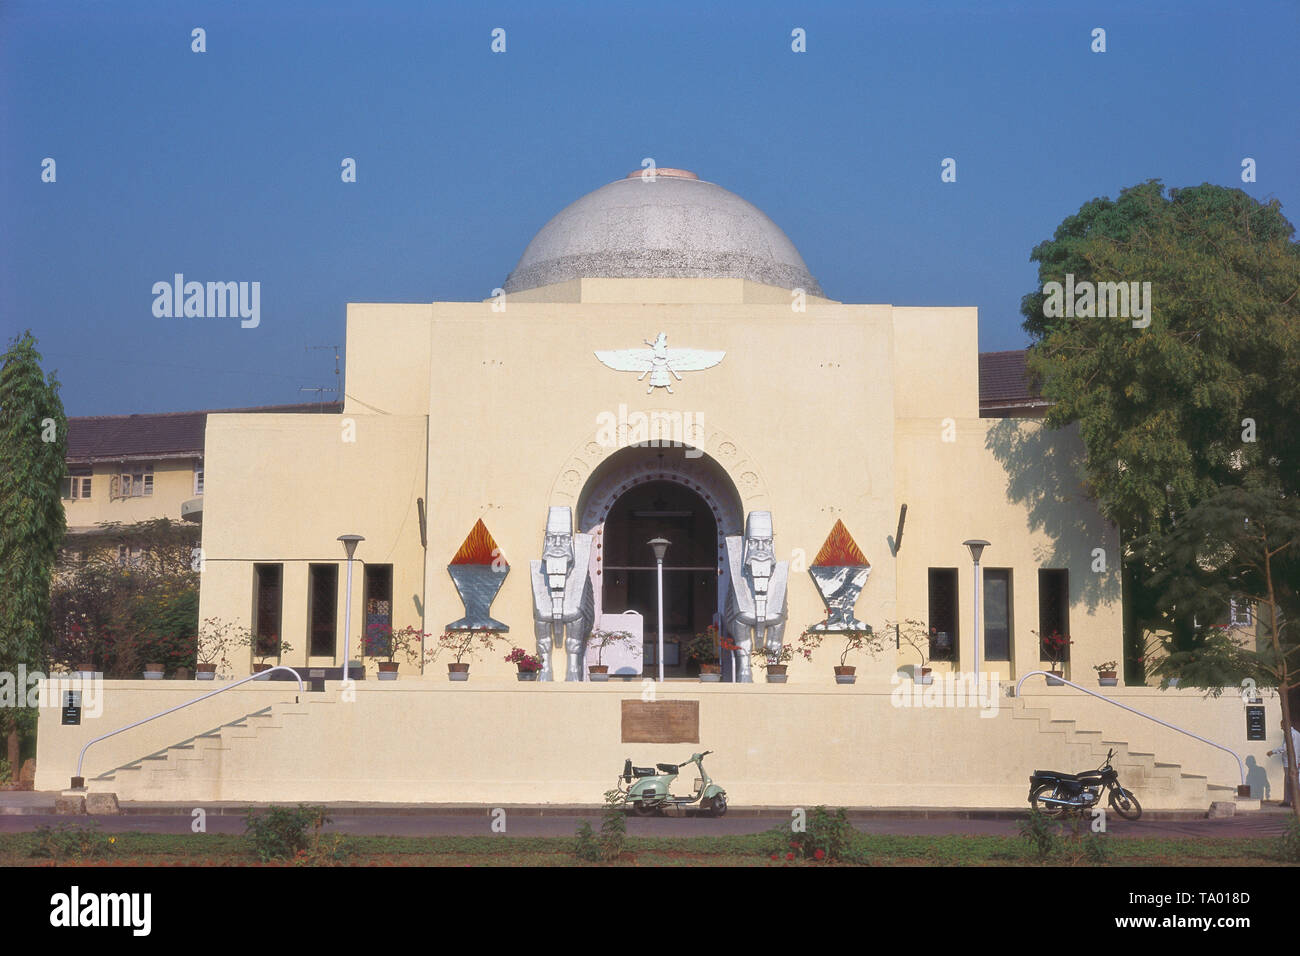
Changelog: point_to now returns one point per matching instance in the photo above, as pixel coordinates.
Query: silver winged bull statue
(755, 610)
(564, 606)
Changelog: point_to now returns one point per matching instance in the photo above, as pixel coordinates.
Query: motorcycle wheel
(1051, 810)
(718, 806)
(1125, 804)
(644, 809)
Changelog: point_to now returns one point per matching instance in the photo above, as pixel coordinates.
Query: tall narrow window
(198, 476)
(268, 599)
(997, 614)
(943, 614)
(1053, 608)
(379, 608)
(322, 609)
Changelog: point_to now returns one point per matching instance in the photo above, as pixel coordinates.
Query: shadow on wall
(1043, 473)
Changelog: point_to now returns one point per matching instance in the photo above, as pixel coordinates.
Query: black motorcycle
(1054, 794)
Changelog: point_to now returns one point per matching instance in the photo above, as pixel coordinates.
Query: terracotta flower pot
(1054, 679)
(206, 671)
(598, 672)
(258, 668)
(710, 673)
(153, 671)
(776, 673)
(457, 672)
(526, 675)
(1108, 678)
(845, 674)
(388, 670)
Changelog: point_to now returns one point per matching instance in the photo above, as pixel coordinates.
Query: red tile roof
(157, 435)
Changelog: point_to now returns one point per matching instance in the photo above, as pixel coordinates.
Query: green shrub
(1039, 830)
(1097, 848)
(609, 844)
(1290, 848)
(71, 841)
(828, 835)
(280, 833)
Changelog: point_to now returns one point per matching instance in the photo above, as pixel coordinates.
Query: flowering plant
(265, 648)
(854, 640)
(1056, 646)
(1105, 666)
(523, 660)
(380, 640)
(460, 644)
(215, 637)
(703, 648)
(916, 636)
(763, 657)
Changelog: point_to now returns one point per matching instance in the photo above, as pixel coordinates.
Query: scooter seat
(667, 767)
(643, 771)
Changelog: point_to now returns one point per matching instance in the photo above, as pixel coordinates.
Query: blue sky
(225, 165)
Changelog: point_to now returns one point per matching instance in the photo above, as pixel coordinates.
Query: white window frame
(136, 481)
(1239, 614)
(198, 476)
(78, 486)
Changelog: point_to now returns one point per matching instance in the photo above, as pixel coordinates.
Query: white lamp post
(350, 544)
(660, 546)
(977, 546)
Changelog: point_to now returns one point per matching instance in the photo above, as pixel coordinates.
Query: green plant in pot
(916, 636)
(213, 644)
(380, 640)
(600, 640)
(1107, 675)
(703, 648)
(461, 646)
(269, 650)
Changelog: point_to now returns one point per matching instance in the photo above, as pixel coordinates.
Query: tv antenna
(338, 374)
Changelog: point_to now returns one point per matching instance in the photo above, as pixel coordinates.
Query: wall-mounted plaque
(72, 707)
(1255, 723)
(661, 721)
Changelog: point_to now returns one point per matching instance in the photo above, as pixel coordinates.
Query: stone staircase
(1157, 785)
(192, 768)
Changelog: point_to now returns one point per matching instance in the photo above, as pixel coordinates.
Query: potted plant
(1056, 646)
(527, 664)
(704, 650)
(601, 639)
(916, 636)
(775, 663)
(380, 640)
(854, 640)
(215, 638)
(1107, 676)
(461, 645)
(267, 648)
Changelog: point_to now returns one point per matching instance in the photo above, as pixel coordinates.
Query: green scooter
(647, 790)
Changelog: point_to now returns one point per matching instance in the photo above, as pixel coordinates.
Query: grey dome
(676, 226)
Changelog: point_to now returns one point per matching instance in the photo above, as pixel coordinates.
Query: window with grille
(996, 609)
(943, 614)
(136, 482)
(198, 476)
(322, 608)
(268, 600)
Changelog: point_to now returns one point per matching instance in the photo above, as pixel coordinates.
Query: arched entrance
(642, 493)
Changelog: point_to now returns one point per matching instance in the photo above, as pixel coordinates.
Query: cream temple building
(661, 366)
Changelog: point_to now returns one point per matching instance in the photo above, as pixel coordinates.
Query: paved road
(463, 824)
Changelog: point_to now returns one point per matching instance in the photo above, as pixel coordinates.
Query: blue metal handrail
(1241, 767)
(171, 710)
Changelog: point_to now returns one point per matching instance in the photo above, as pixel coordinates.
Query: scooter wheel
(644, 809)
(718, 806)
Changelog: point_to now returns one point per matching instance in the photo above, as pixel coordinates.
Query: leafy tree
(33, 449)
(1205, 397)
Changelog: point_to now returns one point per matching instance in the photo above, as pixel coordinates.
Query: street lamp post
(977, 546)
(660, 546)
(350, 545)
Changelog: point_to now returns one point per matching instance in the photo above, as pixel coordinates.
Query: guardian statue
(564, 606)
(755, 610)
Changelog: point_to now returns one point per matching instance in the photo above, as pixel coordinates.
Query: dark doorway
(663, 509)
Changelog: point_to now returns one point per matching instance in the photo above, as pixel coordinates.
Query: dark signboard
(1255, 723)
(72, 707)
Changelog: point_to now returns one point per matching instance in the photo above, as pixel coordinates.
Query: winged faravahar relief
(660, 362)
